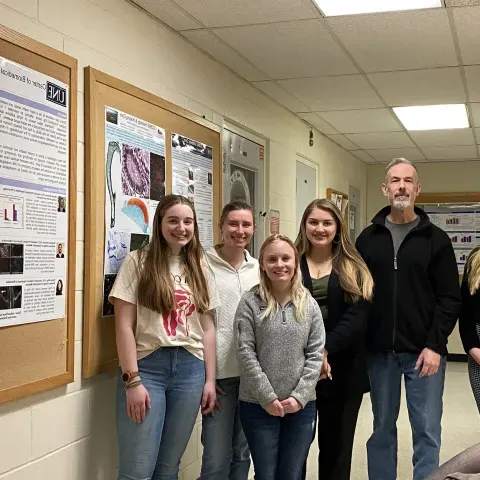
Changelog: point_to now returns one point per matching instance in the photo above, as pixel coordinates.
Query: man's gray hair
(397, 161)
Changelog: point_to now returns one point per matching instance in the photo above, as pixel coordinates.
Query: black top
(470, 314)
(345, 328)
(417, 293)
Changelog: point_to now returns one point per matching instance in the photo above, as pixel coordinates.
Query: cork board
(40, 356)
(101, 91)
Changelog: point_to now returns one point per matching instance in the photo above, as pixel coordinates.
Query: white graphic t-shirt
(179, 328)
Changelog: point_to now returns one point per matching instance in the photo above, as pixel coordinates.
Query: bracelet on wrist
(133, 384)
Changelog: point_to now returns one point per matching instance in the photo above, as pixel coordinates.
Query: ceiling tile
(362, 121)
(473, 82)
(218, 49)
(279, 94)
(443, 138)
(346, 92)
(467, 20)
(169, 13)
(475, 113)
(450, 153)
(462, 3)
(388, 154)
(381, 140)
(289, 50)
(477, 134)
(343, 142)
(364, 156)
(319, 123)
(420, 87)
(218, 13)
(397, 40)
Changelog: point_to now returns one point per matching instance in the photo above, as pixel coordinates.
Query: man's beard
(401, 204)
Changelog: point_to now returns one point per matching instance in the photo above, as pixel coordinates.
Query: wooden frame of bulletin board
(333, 194)
(102, 90)
(39, 356)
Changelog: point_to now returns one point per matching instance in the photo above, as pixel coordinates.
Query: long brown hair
(355, 278)
(155, 286)
(298, 292)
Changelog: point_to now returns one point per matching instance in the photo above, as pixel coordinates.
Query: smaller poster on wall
(274, 221)
(134, 185)
(192, 177)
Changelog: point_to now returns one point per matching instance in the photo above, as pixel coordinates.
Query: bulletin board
(138, 148)
(340, 199)
(37, 352)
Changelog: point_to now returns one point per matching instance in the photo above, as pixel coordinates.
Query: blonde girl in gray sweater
(280, 337)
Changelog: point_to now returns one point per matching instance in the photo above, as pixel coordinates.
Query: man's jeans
(424, 403)
(279, 445)
(225, 449)
(174, 379)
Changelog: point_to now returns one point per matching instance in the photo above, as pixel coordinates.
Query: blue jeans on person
(279, 445)
(226, 455)
(151, 450)
(425, 406)
(225, 449)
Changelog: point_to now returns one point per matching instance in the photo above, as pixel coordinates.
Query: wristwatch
(126, 377)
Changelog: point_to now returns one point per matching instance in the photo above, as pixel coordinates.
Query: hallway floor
(461, 427)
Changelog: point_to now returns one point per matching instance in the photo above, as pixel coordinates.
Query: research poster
(134, 184)
(463, 228)
(34, 162)
(192, 169)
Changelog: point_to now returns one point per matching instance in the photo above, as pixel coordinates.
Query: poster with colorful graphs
(134, 184)
(461, 225)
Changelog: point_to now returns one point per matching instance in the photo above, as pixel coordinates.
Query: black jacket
(417, 294)
(345, 328)
(469, 319)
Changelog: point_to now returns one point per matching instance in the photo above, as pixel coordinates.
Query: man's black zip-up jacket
(417, 294)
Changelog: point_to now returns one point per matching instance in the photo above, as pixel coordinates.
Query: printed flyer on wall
(34, 157)
(135, 183)
(192, 168)
(462, 227)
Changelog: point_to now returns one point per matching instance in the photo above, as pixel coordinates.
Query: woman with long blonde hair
(469, 322)
(164, 296)
(339, 280)
(279, 336)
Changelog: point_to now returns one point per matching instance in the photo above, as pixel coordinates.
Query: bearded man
(416, 304)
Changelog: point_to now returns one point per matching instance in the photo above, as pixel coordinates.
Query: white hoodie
(231, 285)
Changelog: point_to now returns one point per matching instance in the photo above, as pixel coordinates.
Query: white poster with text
(34, 160)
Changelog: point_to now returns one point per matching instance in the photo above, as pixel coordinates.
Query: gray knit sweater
(278, 356)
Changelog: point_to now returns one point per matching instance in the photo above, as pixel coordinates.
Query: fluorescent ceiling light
(332, 8)
(433, 117)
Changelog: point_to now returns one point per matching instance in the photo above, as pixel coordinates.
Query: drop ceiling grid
(389, 59)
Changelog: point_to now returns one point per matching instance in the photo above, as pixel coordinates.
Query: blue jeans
(424, 403)
(225, 449)
(151, 450)
(279, 445)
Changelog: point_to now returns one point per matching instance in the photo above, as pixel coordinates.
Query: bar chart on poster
(11, 212)
(459, 219)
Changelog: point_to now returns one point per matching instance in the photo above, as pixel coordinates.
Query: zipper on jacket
(284, 318)
(238, 282)
(395, 268)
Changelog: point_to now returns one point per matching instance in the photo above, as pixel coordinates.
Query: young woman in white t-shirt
(225, 448)
(164, 296)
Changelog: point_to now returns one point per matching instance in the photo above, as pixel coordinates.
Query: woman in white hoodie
(225, 450)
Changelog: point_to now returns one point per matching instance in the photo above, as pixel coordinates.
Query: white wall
(69, 433)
